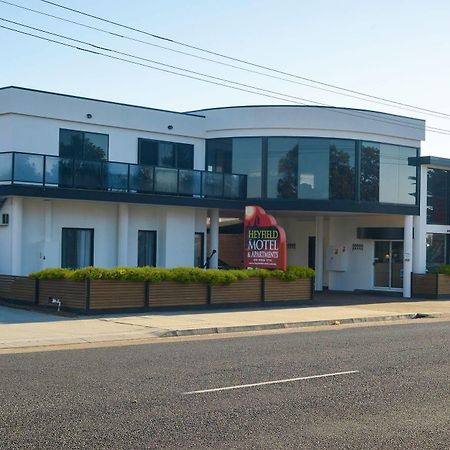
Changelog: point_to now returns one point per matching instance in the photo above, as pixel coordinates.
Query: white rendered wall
(5, 241)
(41, 135)
(5, 133)
(298, 231)
(180, 237)
(342, 232)
(175, 226)
(104, 113)
(313, 121)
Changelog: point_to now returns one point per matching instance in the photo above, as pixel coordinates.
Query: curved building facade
(89, 182)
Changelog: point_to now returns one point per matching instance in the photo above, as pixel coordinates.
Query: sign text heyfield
(265, 240)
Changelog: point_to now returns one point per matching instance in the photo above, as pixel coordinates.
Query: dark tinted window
(438, 197)
(313, 169)
(238, 156)
(437, 250)
(185, 156)
(83, 145)
(165, 154)
(199, 250)
(77, 248)
(342, 170)
(219, 155)
(385, 174)
(146, 248)
(370, 172)
(282, 168)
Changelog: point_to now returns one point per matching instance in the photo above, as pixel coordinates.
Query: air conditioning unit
(5, 220)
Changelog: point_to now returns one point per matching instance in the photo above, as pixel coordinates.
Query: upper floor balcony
(47, 171)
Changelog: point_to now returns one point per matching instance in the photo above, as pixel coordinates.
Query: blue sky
(398, 50)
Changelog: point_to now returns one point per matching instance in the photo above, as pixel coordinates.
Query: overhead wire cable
(405, 108)
(365, 114)
(207, 59)
(242, 61)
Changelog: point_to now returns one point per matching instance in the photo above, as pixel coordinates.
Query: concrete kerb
(275, 326)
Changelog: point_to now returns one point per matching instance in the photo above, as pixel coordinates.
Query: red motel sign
(265, 240)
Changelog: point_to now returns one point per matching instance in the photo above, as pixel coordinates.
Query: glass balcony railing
(54, 171)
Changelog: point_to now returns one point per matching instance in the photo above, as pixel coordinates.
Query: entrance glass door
(388, 264)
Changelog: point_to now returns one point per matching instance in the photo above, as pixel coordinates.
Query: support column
(122, 235)
(16, 235)
(46, 254)
(407, 256)
(420, 227)
(214, 237)
(319, 254)
(47, 220)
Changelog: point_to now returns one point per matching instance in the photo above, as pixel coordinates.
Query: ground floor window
(146, 248)
(437, 250)
(199, 249)
(77, 248)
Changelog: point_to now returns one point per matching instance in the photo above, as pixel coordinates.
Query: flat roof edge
(100, 101)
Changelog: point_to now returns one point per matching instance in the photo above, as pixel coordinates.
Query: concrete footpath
(21, 328)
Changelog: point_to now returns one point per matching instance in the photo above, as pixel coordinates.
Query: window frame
(175, 152)
(202, 234)
(91, 255)
(155, 249)
(83, 143)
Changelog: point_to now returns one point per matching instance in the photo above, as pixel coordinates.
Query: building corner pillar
(122, 235)
(213, 238)
(319, 254)
(407, 256)
(16, 235)
(420, 226)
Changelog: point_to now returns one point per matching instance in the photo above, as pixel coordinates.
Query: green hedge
(179, 274)
(445, 269)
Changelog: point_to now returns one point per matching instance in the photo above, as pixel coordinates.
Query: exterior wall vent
(5, 220)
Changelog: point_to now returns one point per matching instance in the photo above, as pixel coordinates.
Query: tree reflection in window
(287, 171)
(342, 174)
(370, 173)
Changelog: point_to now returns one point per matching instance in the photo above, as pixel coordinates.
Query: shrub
(444, 269)
(178, 274)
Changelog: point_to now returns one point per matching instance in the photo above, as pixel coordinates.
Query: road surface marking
(288, 380)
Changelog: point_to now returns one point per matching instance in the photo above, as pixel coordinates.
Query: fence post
(263, 290)
(36, 291)
(87, 293)
(208, 294)
(146, 294)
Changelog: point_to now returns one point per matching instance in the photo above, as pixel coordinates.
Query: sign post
(265, 240)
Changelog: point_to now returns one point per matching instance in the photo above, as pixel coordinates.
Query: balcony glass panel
(88, 175)
(28, 168)
(5, 166)
(189, 182)
(141, 178)
(231, 186)
(51, 170)
(117, 176)
(212, 184)
(166, 180)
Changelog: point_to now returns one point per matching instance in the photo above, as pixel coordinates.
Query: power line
(410, 109)
(260, 66)
(210, 59)
(366, 114)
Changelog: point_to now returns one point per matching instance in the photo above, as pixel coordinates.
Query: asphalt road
(134, 396)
